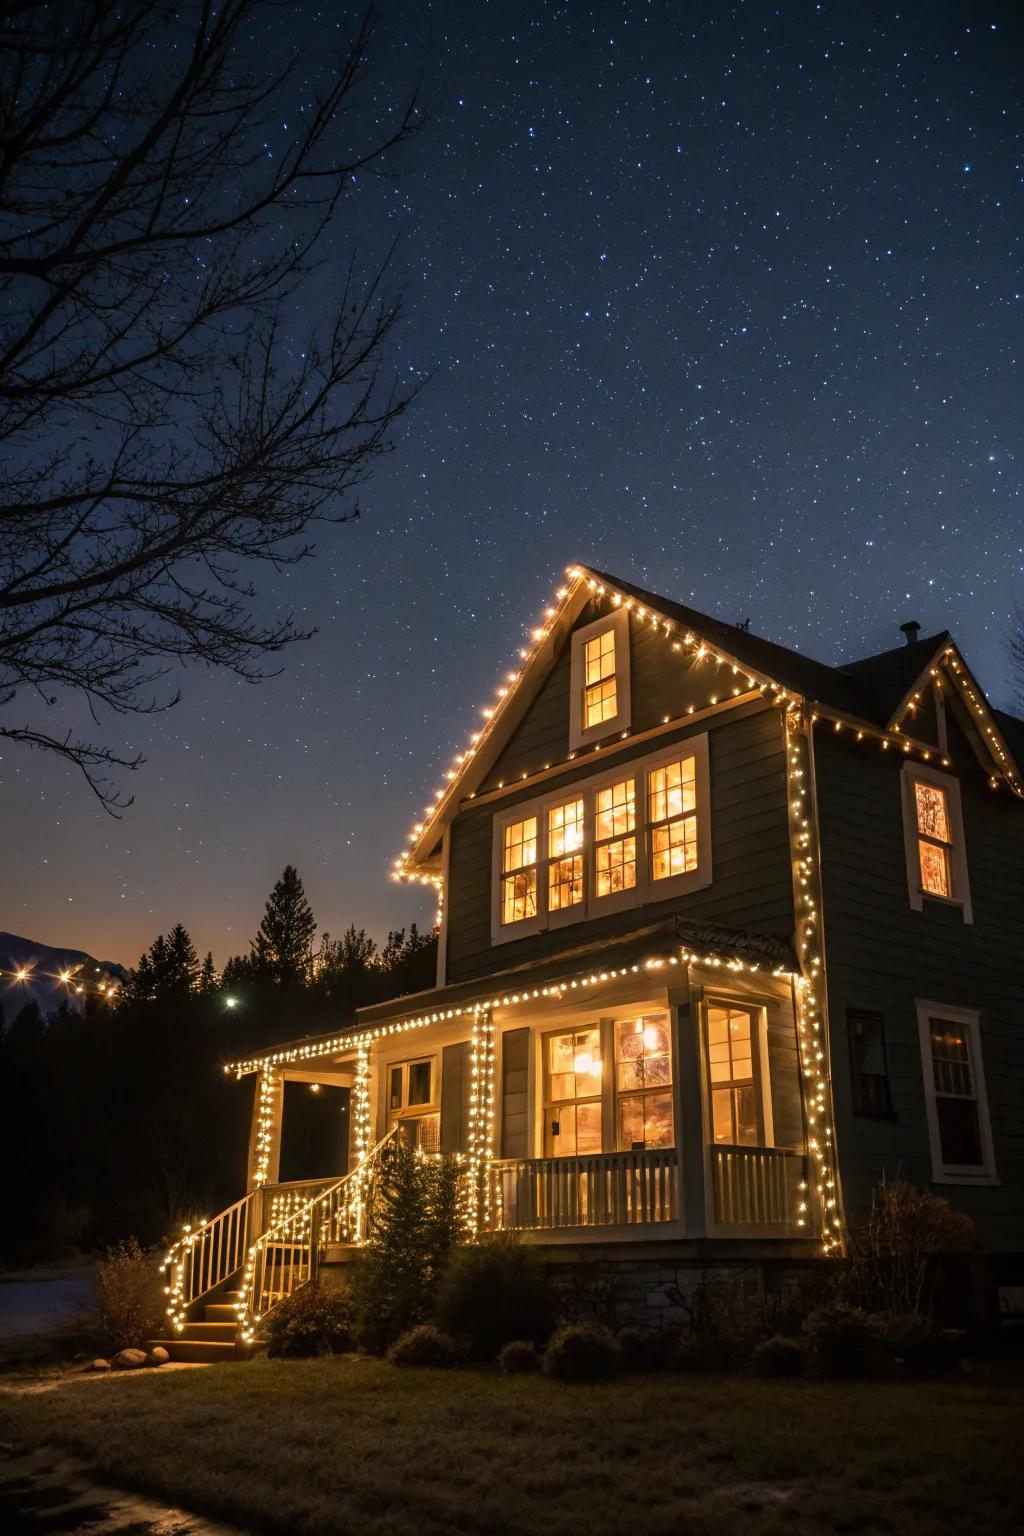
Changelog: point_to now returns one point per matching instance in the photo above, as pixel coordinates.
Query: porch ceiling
(673, 938)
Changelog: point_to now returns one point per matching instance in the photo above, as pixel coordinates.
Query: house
(726, 933)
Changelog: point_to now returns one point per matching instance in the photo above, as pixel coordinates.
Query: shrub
(425, 1346)
(315, 1321)
(843, 1341)
(642, 1349)
(519, 1356)
(128, 1305)
(702, 1352)
(918, 1345)
(582, 1352)
(492, 1293)
(416, 1220)
(779, 1356)
(894, 1259)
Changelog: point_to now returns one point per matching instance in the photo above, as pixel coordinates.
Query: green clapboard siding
(515, 1074)
(881, 955)
(455, 1097)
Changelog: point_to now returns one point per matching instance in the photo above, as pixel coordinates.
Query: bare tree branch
(162, 202)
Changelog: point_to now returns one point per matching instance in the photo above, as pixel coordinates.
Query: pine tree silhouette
(282, 949)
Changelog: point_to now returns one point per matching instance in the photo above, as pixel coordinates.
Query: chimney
(911, 630)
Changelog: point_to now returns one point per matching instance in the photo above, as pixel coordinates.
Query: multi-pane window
(572, 1098)
(565, 855)
(672, 815)
(734, 1119)
(410, 1097)
(956, 1098)
(934, 839)
(643, 1083)
(600, 691)
(869, 1065)
(519, 870)
(614, 850)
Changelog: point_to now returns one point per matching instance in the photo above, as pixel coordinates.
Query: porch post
(690, 1110)
(265, 1134)
(480, 1140)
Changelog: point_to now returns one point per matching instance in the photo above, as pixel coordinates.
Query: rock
(100, 1365)
(129, 1359)
(157, 1356)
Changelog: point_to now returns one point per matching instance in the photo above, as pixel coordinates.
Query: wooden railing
(759, 1187)
(203, 1259)
(288, 1254)
(608, 1189)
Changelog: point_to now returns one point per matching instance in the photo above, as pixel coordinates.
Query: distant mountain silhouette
(43, 967)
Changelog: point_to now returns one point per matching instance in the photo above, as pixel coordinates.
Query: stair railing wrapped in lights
(205, 1256)
(288, 1255)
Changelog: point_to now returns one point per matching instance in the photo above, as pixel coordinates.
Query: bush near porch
(326, 1445)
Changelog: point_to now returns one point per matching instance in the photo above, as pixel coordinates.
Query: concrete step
(224, 1330)
(198, 1352)
(221, 1312)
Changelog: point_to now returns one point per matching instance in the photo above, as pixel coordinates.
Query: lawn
(338, 1446)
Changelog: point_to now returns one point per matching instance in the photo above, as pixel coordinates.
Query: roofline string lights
(811, 1016)
(335, 1045)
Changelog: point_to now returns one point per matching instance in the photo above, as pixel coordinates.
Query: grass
(340, 1445)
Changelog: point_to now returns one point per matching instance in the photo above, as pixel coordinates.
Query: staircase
(214, 1341)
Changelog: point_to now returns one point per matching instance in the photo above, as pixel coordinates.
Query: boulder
(129, 1359)
(100, 1365)
(157, 1355)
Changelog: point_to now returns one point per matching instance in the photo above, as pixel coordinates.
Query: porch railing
(288, 1254)
(203, 1259)
(758, 1187)
(608, 1189)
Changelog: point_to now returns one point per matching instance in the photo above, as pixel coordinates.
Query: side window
(933, 832)
(869, 1067)
(572, 1093)
(519, 871)
(737, 1088)
(413, 1095)
(955, 1098)
(643, 1083)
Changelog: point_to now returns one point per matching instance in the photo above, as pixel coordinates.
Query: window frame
(860, 1102)
(606, 1027)
(760, 1061)
(970, 1021)
(921, 773)
(647, 889)
(579, 734)
(550, 1103)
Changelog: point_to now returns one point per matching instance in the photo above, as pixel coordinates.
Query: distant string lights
(72, 978)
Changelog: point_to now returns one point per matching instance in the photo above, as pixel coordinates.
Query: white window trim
(969, 1018)
(912, 774)
(761, 1062)
(646, 890)
(579, 736)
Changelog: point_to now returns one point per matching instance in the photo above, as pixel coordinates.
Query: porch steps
(211, 1342)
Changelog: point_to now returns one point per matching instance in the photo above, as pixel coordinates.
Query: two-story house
(726, 933)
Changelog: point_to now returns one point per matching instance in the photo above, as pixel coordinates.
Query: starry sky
(724, 298)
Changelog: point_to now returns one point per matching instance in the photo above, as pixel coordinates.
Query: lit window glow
(600, 691)
(519, 871)
(934, 841)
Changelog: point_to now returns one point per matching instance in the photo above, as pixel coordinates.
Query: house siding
(882, 955)
(751, 885)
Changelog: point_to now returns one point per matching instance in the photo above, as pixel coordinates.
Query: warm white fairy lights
(268, 1090)
(810, 991)
(480, 1136)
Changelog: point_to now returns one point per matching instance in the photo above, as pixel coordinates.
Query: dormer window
(599, 688)
(933, 831)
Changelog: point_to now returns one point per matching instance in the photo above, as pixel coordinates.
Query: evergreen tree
(282, 949)
(238, 969)
(207, 982)
(180, 971)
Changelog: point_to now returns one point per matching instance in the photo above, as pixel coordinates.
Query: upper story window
(934, 835)
(638, 833)
(599, 703)
(955, 1100)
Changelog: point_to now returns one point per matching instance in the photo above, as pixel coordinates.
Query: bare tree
(162, 202)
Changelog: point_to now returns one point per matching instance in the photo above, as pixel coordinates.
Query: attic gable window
(933, 832)
(599, 702)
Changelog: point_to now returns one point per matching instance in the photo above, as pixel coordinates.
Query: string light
(480, 1129)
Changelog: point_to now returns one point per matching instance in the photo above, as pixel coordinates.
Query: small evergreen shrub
(518, 1357)
(844, 1343)
(642, 1349)
(917, 1345)
(425, 1346)
(128, 1303)
(779, 1357)
(582, 1352)
(491, 1293)
(315, 1321)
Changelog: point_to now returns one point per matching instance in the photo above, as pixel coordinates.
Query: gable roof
(873, 691)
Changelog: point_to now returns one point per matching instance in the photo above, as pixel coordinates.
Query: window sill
(983, 1180)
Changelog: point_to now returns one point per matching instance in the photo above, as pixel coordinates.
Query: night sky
(726, 299)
